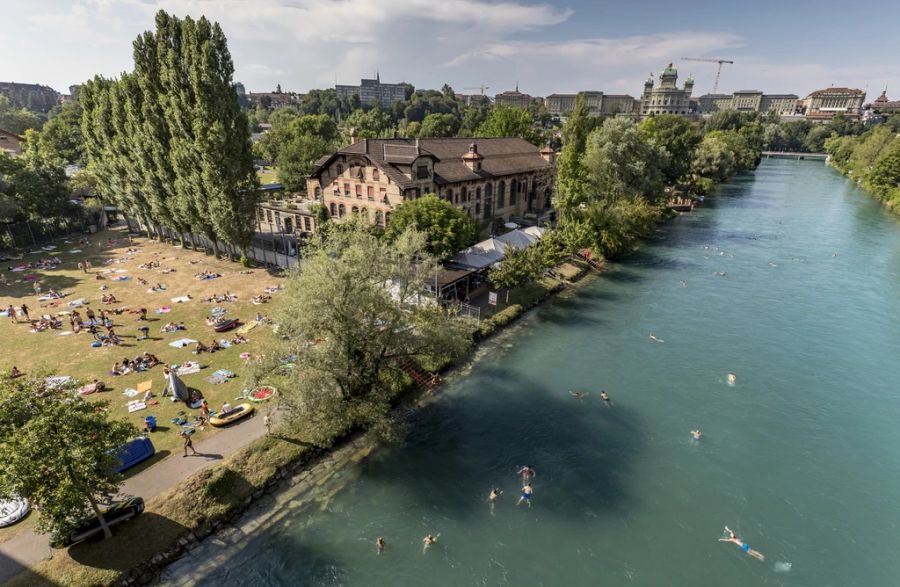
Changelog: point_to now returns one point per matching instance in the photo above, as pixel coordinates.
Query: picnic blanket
(135, 405)
(224, 343)
(182, 342)
(73, 251)
(77, 303)
(57, 381)
(64, 333)
(247, 327)
(144, 386)
(164, 310)
(121, 278)
(220, 376)
(187, 368)
(130, 392)
(181, 299)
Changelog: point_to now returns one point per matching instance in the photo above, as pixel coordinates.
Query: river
(790, 278)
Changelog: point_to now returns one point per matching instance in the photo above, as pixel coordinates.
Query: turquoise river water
(790, 278)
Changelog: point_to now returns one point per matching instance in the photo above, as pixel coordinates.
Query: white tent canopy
(493, 250)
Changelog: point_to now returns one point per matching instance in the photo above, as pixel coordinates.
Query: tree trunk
(107, 533)
(28, 224)
(215, 246)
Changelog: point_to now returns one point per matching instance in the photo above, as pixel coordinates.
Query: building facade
(667, 97)
(493, 179)
(822, 105)
(10, 143)
(883, 105)
(372, 92)
(513, 98)
(749, 101)
(598, 103)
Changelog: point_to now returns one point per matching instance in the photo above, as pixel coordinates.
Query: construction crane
(721, 62)
(482, 87)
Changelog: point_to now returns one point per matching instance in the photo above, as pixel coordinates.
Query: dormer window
(422, 172)
(340, 169)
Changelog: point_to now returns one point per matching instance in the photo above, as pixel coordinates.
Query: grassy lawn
(269, 175)
(73, 355)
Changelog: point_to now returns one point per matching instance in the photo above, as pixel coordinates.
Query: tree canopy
(447, 228)
(352, 316)
(57, 451)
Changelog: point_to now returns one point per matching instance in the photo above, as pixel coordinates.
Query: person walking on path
(11, 312)
(188, 443)
(87, 266)
(24, 311)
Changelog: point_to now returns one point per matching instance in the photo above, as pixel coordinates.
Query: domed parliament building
(667, 98)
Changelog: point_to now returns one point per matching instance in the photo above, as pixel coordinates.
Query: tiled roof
(835, 91)
(501, 156)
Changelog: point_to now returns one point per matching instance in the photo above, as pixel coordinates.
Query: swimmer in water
(683, 283)
(526, 495)
(527, 473)
(653, 337)
(695, 434)
(773, 264)
(379, 545)
(732, 378)
(578, 394)
(493, 496)
(720, 273)
(428, 541)
(605, 397)
(741, 544)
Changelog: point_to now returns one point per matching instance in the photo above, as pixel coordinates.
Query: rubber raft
(232, 415)
(13, 510)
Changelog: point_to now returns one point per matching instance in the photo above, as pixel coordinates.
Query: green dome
(670, 70)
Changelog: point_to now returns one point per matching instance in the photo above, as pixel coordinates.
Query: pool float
(232, 415)
(226, 325)
(133, 452)
(12, 510)
(261, 394)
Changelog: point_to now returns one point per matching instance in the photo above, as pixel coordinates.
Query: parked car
(115, 514)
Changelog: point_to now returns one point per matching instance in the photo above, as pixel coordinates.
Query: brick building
(493, 179)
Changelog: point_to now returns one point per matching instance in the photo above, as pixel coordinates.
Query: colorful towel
(247, 327)
(187, 368)
(144, 386)
(215, 379)
(129, 392)
(181, 299)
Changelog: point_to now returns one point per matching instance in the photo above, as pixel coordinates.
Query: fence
(29, 233)
(266, 249)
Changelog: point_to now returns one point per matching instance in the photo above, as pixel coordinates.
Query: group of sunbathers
(139, 363)
(207, 275)
(221, 298)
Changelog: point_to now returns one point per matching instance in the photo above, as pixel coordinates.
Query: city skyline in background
(544, 48)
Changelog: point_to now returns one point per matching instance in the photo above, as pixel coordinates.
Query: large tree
(447, 229)
(57, 451)
(676, 140)
(352, 317)
(573, 187)
(440, 125)
(621, 162)
(508, 121)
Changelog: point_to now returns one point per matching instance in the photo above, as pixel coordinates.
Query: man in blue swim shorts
(732, 537)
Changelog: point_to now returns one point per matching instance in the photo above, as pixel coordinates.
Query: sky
(554, 46)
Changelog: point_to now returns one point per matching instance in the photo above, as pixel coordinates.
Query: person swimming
(653, 337)
(732, 537)
(732, 378)
(428, 541)
(494, 494)
(578, 394)
(527, 491)
(695, 434)
(379, 545)
(527, 473)
(605, 397)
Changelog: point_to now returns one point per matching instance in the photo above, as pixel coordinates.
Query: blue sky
(786, 46)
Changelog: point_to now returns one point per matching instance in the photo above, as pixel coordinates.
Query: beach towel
(182, 342)
(5, 313)
(121, 278)
(247, 327)
(224, 343)
(57, 381)
(181, 299)
(144, 386)
(135, 405)
(218, 311)
(164, 310)
(187, 368)
(64, 333)
(73, 251)
(215, 379)
(129, 392)
(77, 303)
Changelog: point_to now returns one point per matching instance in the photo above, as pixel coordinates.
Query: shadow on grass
(129, 545)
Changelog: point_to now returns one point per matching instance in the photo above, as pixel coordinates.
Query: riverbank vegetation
(872, 160)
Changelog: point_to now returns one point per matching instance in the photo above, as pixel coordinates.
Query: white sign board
(492, 298)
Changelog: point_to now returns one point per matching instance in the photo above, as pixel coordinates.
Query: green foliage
(447, 228)
(16, 120)
(55, 450)
(373, 124)
(27, 192)
(59, 142)
(572, 185)
(506, 315)
(676, 139)
(508, 121)
(620, 162)
(517, 267)
(872, 159)
(613, 227)
(439, 125)
(713, 161)
(352, 315)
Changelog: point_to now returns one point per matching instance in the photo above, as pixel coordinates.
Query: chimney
(548, 154)
(366, 144)
(418, 150)
(353, 135)
(473, 158)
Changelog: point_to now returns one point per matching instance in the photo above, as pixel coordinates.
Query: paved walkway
(29, 548)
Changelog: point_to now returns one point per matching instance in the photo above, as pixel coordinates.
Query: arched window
(501, 194)
(364, 212)
(333, 210)
(478, 194)
(354, 210)
(379, 218)
(342, 210)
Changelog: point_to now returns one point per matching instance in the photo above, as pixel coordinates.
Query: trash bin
(150, 422)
